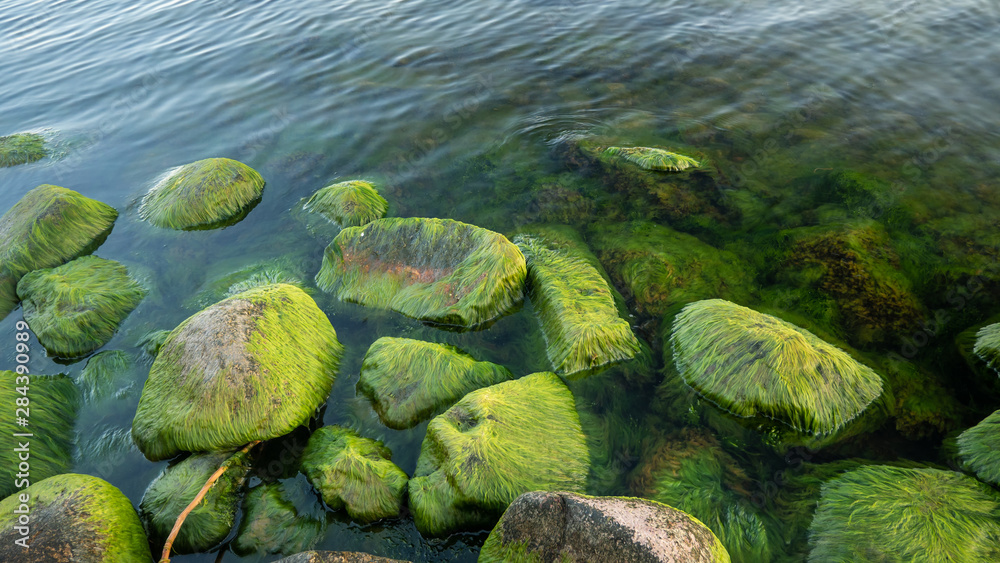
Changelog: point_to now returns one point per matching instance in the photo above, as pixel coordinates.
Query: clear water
(462, 110)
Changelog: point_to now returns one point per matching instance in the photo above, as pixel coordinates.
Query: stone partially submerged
(758, 366)
(543, 526)
(574, 303)
(47, 227)
(979, 449)
(354, 473)
(72, 518)
(987, 346)
(409, 381)
(251, 367)
(21, 148)
(76, 308)
(279, 518)
(205, 194)
(493, 445)
(348, 204)
(436, 270)
(651, 158)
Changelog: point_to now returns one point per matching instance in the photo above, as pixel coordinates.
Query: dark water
(463, 110)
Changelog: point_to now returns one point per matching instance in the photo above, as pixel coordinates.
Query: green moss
(105, 374)
(349, 204)
(755, 365)
(437, 270)
(174, 489)
(881, 513)
(47, 227)
(987, 346)
(979, 449)
(354, 473)
(21, 148)
(923, 406)
(203, 194)
(76, 308)
(152, 341)
(409, 381)
(652, 158)
(279, 518)
(266, 272)
(52, 402)
(493, 445)
(863, 195)
(574, 303)
(74, 518)
(251, 367)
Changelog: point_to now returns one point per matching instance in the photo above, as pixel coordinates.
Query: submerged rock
(47, 227)
(21, 148)
(437, 270)
(354, 473)
(276, 519)
(222, 285)
(979, 449)
(493, 445)
(574, 303)
(251, 367)
(73, 518)
(348, 204)
(107, 374)
(410, 381)
(204, 194)
(881, 513)
(988, 346)
(76, 308)
(755, 365)
(336, 557)
(541, 526)
(649, 158)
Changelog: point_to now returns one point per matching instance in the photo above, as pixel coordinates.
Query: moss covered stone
(231, 282)
(987, 346)
(202, 195)
(251, 367)
(277, 519)
(47, 227)
(756, 365)
(76, 308)
(174, 489)
(336, 557)
(107, 373)
(541, 527)
(349, 204)
(52, 402)
(493, 445)
(979, 449)
(650, 158)
(574, 302)
(437, 270)
(881, 513)
(75, 518)
(410, 381)
(21, 148)
(354, 473)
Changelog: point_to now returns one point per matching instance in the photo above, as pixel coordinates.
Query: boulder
(651, 158)
(987, 346)
(205, 194)
(21, 148)
(979, 449)
(282, 517)
(348, 204)
(336, 557)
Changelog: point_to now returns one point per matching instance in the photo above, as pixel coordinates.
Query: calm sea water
(461, 110)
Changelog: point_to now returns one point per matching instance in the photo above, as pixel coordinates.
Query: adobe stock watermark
(22, 453)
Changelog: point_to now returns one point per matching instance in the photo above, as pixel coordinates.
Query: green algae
(354, 473)
(437, 270)
(174, 489)
(266, 272)
(410, 381)
(574, 303)
(495, 444)
(348, 204)
(48, 226)
(151, 342)
(21, 148)
(978, 449)
(987, 346)
(105, 374)
(76, 308)
(204, 194)
(923, 406)
(281, 518)
(649, 158)
(251, 367)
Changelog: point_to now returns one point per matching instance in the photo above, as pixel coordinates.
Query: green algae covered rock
(205, 194)
(656, 267)
(979, 449)
(73, 517)
(409, 381)
(52, 403)
(279, 518)
(649, 158)
(106, 374)
(348, 204)
(755, 365)
(336, 557)
(987, 346)
(493, 445)
(574, 303)
(881, 513)
(437, 270)
(76, 308)
(219, 286)
(47, 227)
(21, 148)
(542, 526)
(251, 367)
(354, 473)
(174, 489)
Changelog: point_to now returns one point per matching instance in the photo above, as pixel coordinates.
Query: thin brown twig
(165, 557)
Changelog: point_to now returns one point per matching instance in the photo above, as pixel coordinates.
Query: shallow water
(468, 111)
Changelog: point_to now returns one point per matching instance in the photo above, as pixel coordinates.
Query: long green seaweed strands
(21, 148)
(979, 448)
(653, 158)
(988, 346)
(348, 204)
(201, 194)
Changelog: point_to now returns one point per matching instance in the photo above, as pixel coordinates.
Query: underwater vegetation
(979, 449)
(988, 346)
(348, 204)
(21, 148)
(652, 158)
(202, 195)
(279, 518)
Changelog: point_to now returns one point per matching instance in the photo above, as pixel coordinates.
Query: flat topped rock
(756, 365)
(436, 270)
(542, 526)
(47, 227)
(21, 148)
(348, 204)
(204, 194)
(251, 367)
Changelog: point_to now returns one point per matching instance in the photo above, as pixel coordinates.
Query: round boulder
(206, 194)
